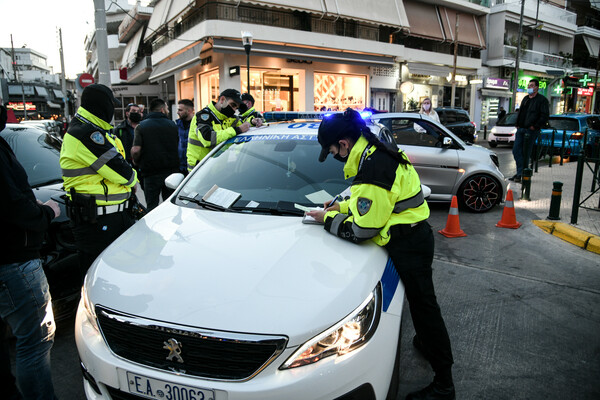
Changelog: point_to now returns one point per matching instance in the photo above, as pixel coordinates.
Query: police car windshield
(270, 169)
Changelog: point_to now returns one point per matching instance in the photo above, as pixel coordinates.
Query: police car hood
(235, 272)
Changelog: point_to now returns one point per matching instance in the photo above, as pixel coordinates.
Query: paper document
(307, 219)
(221, 197)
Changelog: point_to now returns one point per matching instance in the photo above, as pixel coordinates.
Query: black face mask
(339, 157)
(228, 111)
(243, 108)
(135, 117)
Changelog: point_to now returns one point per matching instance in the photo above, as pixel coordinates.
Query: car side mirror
(447, 142)
(174, 180)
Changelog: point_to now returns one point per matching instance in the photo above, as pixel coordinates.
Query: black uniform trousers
(92, 238)
(411, 251)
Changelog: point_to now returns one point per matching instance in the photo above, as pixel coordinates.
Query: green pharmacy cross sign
(585, 80)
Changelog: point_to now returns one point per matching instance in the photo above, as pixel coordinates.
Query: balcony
(133, 21)
(538, 58)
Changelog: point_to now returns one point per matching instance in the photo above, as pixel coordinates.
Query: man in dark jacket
(125, 130)
(25, 303)
(155, 151)
(185, 110)
(533, 116)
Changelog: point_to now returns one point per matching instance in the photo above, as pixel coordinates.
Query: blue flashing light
(366, 114)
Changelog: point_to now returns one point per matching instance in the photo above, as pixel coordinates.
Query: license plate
(501, 139)
(157, 389)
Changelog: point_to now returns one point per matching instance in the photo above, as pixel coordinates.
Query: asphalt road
(521, 308)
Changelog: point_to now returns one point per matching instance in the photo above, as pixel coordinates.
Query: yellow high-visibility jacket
(93, 161)
(208, 128)
(384, 193)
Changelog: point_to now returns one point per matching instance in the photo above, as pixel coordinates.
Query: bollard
(526, 184)
(555, 201)
(485, 132)
(551, 148)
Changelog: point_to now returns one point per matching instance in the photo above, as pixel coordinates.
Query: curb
(569, 233)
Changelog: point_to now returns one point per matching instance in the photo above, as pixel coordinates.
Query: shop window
(186, 89)
(273, 90)
(209, 88)
(335, 92)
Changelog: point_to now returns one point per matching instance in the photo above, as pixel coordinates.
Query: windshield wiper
(203, 203)
(48, 182)
(271, 210)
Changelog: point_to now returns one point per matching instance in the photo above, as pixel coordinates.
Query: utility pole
(454, 65)
(63, 80)
(101, 43)
(515, 84)
(16, 80)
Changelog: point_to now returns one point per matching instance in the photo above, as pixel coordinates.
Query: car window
(270, 168)
(413, 132)
(593, 123)
(462, 117)
(37, 156)
(569, 124)
(508, 120)
(450, 117)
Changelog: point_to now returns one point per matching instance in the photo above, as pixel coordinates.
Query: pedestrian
(185, 111)
(143, 111)
(247, 111)
(126, 128)
(533, 115)
(155, 151)
(25, 301)
(386, 205)
(427, 110)
(501, 113)
(214, 124)
(97, 178)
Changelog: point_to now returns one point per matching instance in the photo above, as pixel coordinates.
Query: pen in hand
(332, 201)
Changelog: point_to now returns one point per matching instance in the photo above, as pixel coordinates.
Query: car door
(422, 141)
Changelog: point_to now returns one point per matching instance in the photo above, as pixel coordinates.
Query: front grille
(503, 134)
(208, 354)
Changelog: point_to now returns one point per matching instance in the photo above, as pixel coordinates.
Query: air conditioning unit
(506, 72)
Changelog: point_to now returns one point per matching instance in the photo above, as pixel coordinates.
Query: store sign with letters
(496, 83)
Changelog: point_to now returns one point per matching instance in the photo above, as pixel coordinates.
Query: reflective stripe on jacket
(384, 193)
(93, 163)
(208, 128)
(249, 115)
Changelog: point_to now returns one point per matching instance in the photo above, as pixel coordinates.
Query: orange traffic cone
(509, 219)
(452, 228)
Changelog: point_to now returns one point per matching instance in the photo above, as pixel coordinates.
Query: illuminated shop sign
(18, 106)
(524, 81)
(496, 83)
(588, 91)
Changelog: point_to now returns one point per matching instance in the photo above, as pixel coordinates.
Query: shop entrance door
(280, 92)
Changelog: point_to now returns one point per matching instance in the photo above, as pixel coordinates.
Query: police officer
(247, 111)
(214, 124)
(387, 206)
(97, 178)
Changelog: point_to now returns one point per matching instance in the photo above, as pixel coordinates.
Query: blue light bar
(271, 116)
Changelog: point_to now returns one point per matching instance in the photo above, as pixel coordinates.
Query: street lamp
(247, 42)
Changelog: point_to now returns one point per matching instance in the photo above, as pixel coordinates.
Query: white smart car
(223, 293)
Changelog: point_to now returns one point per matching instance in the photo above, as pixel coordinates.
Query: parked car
(459, 122)
(49, 125)
(446, 164)
(504, 131)
(571, 127)
(221, 292)
(38, 152)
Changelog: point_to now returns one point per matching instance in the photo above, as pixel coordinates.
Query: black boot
(435, 391)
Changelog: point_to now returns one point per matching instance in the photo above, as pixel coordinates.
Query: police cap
(233, 95)
(336, 127)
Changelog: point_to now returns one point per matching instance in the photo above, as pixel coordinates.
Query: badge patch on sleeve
(363, 205)
(97, 138)
(204, 117)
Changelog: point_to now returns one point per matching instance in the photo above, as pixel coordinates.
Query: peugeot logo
(174, 348)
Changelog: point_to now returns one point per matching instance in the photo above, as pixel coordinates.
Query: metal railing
(536, 57)
(590, 157)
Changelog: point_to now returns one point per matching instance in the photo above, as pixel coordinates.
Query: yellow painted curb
(571, 234)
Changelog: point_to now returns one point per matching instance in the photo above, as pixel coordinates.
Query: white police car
(222, 292)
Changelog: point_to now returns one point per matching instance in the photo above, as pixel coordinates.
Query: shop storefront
(134, 94)
(495, 93)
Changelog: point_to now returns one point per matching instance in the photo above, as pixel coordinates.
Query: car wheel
(493, 144)
(479, 193)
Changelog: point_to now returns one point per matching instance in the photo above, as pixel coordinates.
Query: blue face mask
(529, 90)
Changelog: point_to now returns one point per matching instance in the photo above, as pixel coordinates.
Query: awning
(314, 6)
(428, 69)
(158, 18)
(424, 20)
(17, 89)
(469, 31)
(305, 53)
(58, 93)
(53, 105)
(171, 65)
(496, 93)
(593, 45)
(130, 52)
(177, 7)
(41, 91)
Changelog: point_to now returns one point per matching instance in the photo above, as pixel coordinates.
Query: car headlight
(347, 335)
(513, 131)
(88, 307)
(494, 130)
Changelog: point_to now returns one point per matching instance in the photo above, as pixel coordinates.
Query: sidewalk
(541, 193)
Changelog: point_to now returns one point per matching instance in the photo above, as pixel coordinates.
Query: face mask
(243, 108)
(135, 117)
(529, 90)
(339, 157)
(228, 111)
(426, 107)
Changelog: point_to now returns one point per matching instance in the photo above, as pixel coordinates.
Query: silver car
(446, 164)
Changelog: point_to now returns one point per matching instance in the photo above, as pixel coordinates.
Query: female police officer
(387, 206)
